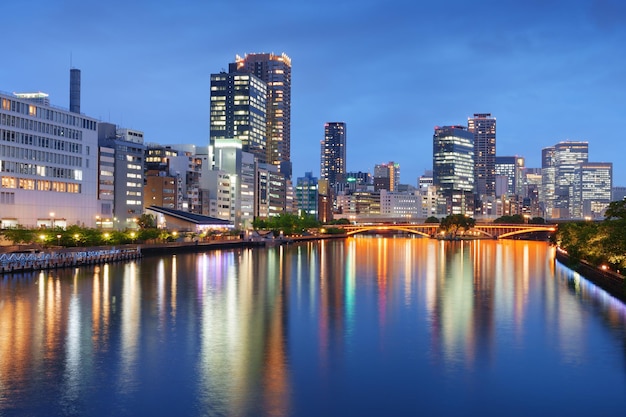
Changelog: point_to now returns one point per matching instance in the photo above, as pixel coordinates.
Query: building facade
(333, 154)
(48, 165)
(275, 71)
(387, 176)
(238, 111)
(483, 127)
(453, 168)
(123, 176)
(307, 194)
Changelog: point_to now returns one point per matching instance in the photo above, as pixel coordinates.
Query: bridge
(480, 230)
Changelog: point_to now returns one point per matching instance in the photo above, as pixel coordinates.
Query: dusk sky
(548, 70)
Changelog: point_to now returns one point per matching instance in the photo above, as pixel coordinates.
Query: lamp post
(59, 240)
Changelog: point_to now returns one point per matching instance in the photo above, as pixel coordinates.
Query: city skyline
(390, 71)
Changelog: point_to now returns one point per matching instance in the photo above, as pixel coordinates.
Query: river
(366, 326)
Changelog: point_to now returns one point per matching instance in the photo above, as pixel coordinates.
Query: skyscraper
(483, 126)
(387, 176)
(561, 179)
(595, 184)
(453, 167)
(238, 111)
(333, 153)
(275, 71)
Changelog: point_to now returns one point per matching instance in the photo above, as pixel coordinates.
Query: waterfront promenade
(33, 257)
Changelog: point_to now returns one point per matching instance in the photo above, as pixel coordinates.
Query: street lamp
(59, 240)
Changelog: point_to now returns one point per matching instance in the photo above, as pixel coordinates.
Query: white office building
(48, 165)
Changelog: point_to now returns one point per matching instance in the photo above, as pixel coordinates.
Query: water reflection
(298, 330)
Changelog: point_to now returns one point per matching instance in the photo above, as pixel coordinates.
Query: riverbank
(33, 258)
(610, 281)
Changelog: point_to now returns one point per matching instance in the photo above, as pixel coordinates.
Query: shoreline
(612, 282)
(29, 259)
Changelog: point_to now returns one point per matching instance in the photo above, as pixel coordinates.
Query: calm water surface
(358, 327)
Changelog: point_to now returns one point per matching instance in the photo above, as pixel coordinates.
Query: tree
(19, 235)
(432, 219)
(616, 210)
(453, 223)
(146, 221)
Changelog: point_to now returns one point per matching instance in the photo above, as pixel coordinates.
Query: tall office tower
(48, 165)
(306, 194)
(238, 111)
(547, 191)
(511, 168)
(567, 198)
(453, 167)
(483, 126)
(387, 176)
(560, 186)
(275, 71)
(595, 183)
(121, 176)
(333, 154)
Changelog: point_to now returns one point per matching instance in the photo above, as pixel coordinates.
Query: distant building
(483, 127)
(453, 168)
(596, 183)
(306, 194)
(333, 154)
(386, 176)
(511, 168)
(400, 205)
(619, 193)
(560, 185)
(121, 176)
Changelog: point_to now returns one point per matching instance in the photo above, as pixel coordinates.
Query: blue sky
(392, 70)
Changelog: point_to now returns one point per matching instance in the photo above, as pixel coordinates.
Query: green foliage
(339, 221)
(432, 219)
(597, 243)
(537, 220)
(19, 235)
(286, 223)
(514, 219)
(451, 224)
(146, 221)
(616, 210)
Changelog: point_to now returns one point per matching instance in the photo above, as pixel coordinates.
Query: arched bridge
(488, 230)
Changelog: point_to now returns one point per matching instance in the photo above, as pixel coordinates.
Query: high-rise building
(306, 194)
(453, 167)
(512, 169)
(275, 71)
(333, 153)
(483, 126)
(596, 183)
(238, 111)
(387, 176)
(569, 155)
(572, 187)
